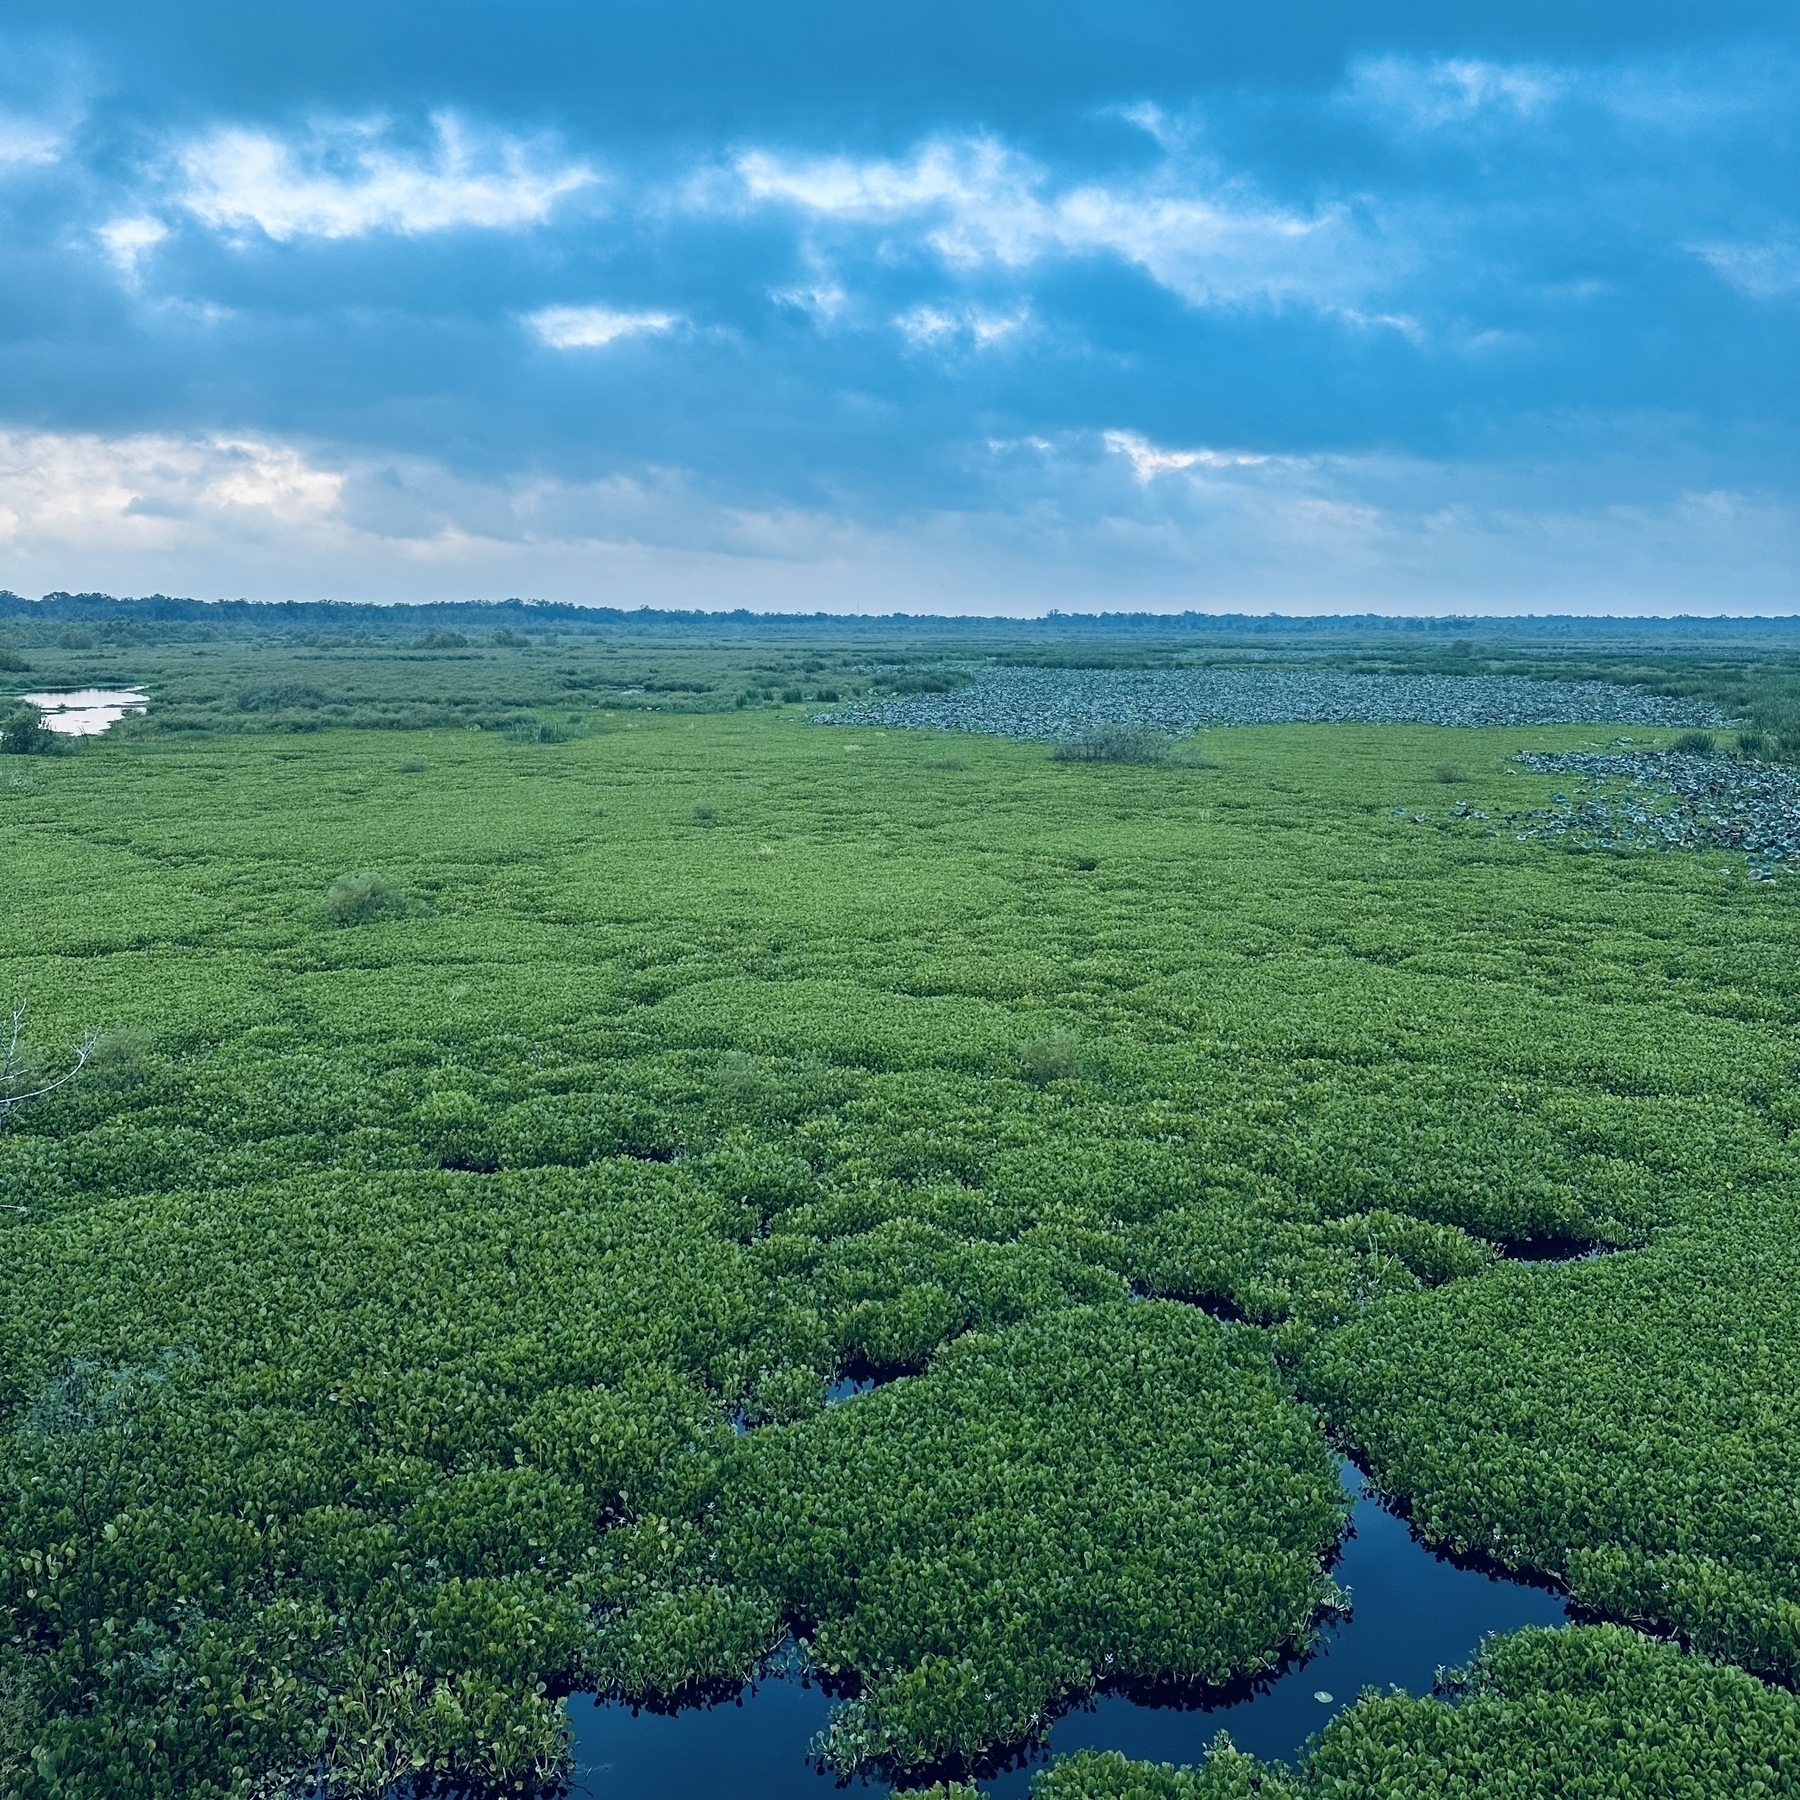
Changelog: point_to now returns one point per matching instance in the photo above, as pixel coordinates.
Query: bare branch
(10, 1070)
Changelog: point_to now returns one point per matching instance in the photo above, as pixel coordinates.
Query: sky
(1138, 305)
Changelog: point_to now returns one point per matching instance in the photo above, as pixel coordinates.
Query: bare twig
(12, 1069)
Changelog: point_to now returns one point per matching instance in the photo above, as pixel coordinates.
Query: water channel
(1413, 1614)
(86, 712)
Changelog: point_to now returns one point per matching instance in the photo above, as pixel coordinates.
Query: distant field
(425, 1303)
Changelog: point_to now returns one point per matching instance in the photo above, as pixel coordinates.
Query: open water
(86, 712)
(1413, 1614)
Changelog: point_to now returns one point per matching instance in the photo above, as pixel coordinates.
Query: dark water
(1413, 1614)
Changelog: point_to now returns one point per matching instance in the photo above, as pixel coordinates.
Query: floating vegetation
(1686, 799)
(1075, 706)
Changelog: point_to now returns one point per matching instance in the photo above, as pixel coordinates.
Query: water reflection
(1414, 1614)
(86, 712)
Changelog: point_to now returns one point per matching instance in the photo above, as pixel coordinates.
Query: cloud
(1424, 95)
(348, 180)
(1149, 460)
(970, 327)
(82, 494)
(1171, 528)
(974, 201)
(589, 327)
(128, 240)
(28, 142)
(1765, 271)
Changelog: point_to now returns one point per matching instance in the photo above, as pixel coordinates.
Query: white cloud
(1076, 522)
(1421, 96)
(349, 180)
(1149, 460)
(974, 202)
(589, 327)
(127, 241)
(28, 142)
(1765, 271)
(965, 326)
(81, 492)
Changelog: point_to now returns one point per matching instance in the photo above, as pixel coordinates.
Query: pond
(86, 712)
(1413, 1614)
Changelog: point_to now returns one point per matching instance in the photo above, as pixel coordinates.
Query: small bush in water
(1695, 743)
(356, 898)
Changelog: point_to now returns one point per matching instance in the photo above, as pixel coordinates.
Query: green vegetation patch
(1104, 1493)
(1624, 1424)
(1588, 1713)
(464, 1286)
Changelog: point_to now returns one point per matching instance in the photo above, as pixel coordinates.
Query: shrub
(1695, 743)
(24, 733)
(529, 731)
(441, 640)
(509, 640)
(703, 812)
(12, 662)
(1057, 1056)
(1448, 773)
(413, 765)
(1751, 743)
(1115, 744)
(363, 895)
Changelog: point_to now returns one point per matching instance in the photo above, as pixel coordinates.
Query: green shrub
(1448, 774)
(1695, 743)
(1115, 744)
(509, 640)
(356, 898)
(12, 662)
(1056, 1056)
(441, 640)
(1751, 743)
(24, 733)
(703, 812)
(530, 731)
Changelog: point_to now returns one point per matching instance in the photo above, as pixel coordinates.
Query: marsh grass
(1115, 744)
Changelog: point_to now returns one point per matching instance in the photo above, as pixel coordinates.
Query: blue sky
(975, 308)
